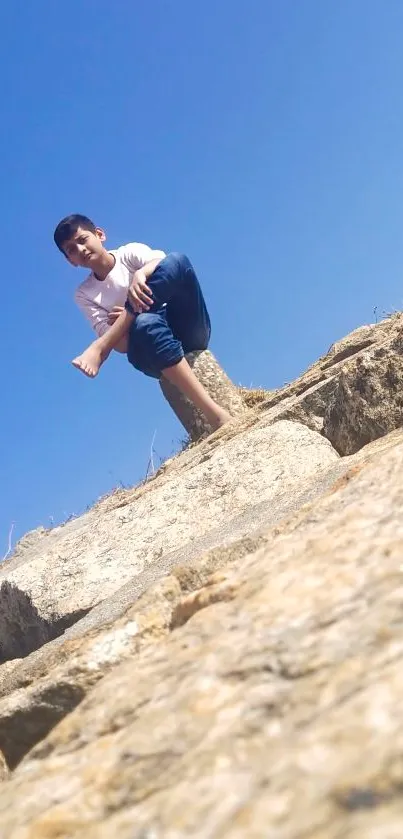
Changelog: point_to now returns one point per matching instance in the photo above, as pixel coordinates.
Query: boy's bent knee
(145, 321)
(152, 346)
(146, 328)
(176, 260)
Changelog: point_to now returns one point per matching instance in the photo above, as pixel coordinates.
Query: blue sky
(264, 139)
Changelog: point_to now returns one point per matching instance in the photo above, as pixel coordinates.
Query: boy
(140, 302)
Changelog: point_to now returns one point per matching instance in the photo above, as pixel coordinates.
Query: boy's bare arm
(140, 295)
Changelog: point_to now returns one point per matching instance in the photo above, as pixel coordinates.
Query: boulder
(368, 399)
(216, 652)
(87, 560)
(331, 396)
(270, 704)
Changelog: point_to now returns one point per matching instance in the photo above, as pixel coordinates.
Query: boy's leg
(175, 288)
(177, 323)
(154, 350)
(182, 376)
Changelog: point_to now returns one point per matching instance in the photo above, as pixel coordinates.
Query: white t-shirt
(96, 298)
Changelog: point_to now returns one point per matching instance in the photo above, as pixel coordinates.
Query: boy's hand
(114, 314)
(140, 295)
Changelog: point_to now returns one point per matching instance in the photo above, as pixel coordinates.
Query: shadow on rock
(22, 628)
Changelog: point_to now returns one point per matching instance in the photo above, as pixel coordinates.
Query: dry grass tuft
(254, 396)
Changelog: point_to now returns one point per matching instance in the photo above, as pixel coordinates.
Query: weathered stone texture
(82, 563)
(238, 674)
(352, 395)
(274, 703)
(368, 399)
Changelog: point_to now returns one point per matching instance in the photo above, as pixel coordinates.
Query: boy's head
(79, 239)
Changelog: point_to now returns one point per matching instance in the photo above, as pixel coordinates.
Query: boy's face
(85, 248)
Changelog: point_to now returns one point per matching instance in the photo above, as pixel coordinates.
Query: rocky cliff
(216, 653)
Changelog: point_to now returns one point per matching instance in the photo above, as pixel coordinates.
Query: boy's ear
(100, 233)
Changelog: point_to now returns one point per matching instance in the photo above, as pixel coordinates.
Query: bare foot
(221, 418)
(89, 361)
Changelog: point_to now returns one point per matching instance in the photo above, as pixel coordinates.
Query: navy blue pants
(176, 323)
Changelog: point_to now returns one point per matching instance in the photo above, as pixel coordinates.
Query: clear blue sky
(263, 138)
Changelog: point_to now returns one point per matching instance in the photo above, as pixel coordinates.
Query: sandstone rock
(307, 398)
(351, 394)
(8, 666)
(217, 384)
(31, 539)
(4, 770)
(22, 628)
(51, 684)
(355, 342)
(24, 673)
(368, 399)
(48, 685)
(28, 714)
(255, 688)
(306, 401)
(275, 708)
(88, 559)
(43, 688)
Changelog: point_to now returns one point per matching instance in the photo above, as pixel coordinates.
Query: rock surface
(352, 394)
(274, 700)
(368, 399)
(80, 564)
(237, 674)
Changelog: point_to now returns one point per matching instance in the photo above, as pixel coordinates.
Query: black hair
(68, 226)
